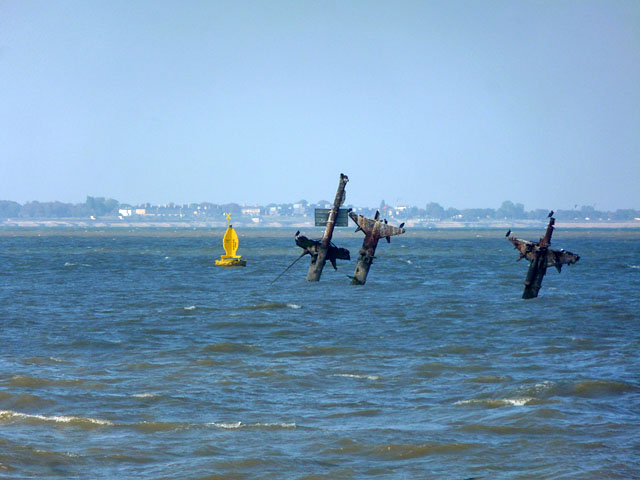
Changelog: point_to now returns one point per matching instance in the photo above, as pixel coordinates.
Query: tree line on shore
(108, 207)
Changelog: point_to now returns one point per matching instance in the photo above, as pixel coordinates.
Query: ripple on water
(156, 427)
(370, 412)
(580, 388)
(254, 426)
(23, 401)
(35, 382)
(44, 361)
(398, 451)
(489, 379)
(511, 430)
(231, 347)
(596, 388)
(316, 351)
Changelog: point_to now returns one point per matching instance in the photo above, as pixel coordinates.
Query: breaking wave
(258, 425)
(497, 403)
(8, 416)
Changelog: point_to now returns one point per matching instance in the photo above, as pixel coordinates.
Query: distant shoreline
(296, 222)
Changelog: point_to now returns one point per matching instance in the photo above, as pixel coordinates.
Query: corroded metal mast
(317, 264)
(541, 256)
(373, 230)
(538, 266)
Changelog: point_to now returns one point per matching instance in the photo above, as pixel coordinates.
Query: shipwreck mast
(373, 230)
(317, 264)
(538, 266)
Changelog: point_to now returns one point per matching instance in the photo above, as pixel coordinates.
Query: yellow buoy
(230, 244)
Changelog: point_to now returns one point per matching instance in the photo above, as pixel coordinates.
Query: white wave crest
(543, 386)
(275, 425)
(517, 402)
(190, 307)
(226, 425)
(351, 375)
(66, 454)
(11, 415)
(145, 395)
(294, 306)
(489, 402)
(236, 425)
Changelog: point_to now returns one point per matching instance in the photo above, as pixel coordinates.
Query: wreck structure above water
(541, 256)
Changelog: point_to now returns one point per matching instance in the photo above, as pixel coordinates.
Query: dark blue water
(130, 355)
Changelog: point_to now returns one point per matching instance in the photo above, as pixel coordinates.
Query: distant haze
(464, 103)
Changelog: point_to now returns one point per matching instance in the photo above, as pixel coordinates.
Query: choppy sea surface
(128, 354)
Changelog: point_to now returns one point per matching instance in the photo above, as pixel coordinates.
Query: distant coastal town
(107, 212)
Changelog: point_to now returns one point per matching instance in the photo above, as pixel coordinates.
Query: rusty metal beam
(317, 264)
(373, 230)
(541, 256)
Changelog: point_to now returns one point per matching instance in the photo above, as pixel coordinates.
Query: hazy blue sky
(466, 103)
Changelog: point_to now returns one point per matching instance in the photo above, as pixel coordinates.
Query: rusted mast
(373, 230)
(317, 264)
(541, 256)
(538, 266)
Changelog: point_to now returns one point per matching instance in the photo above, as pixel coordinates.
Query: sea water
(129, 354)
